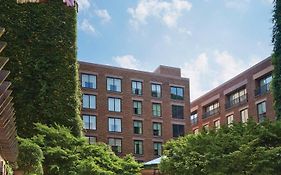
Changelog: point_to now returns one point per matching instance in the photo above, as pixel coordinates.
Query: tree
(241, 149)
(66, 154)
(43, 64)
(276, 58)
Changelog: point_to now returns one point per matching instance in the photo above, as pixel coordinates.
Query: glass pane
(118, 125)
(92, 102)
(86, 121)
(92, 81)
(111, 125)
(84, 80)
(86, 101)
(111, 104)
(109, 84)
(118, 105)
(118, 85)
(93, 122)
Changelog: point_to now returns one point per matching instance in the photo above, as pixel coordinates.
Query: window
(137, 107)
(114, 125)
(91, 139)
(177, 93)
(157, 148)
(156, 109)
(137, 87)
(157, 129)
(115, 144)
(244, 115)
(217, 124)
(206, 128)
(156, 90)
(89, 101)
(229, 120)
(263, 85)
(89, 122)
(178, 130)
(114, 104)
(89, 81)
(137, 127)
(196, 131)
(236, 98)
(177, 111)
(211, 110)
(138, 147)
(194, 118)
(261, 111)
(114, 84)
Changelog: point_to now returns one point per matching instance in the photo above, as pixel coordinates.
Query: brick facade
(166, 77)
(253, 88)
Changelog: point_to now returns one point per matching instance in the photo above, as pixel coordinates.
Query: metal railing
(262, 89)
(235, 102)
(211, 113)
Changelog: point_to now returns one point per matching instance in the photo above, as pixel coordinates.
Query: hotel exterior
(244, 96)
(135, 112)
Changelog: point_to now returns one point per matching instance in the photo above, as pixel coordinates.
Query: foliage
(9, 169)
(241, 149)
(30, 157)
(66, 154)
(43, 64)
(276, 58)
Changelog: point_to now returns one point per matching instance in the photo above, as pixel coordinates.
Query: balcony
(236, 102)
(262, 90)
(211, 113)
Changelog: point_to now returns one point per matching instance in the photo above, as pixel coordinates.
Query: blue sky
(210, 40)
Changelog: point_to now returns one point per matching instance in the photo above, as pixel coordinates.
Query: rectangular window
(114, 84)
(261, 111)
(177, 93)
(115, 144)
(156, 90)
(157, 129)
(177, 111)
(114, 104)
(206, 128)
(157, 148)
(114, 125)
(236, 98)
(89, 101)
(91, 139)
(211, 110)
(156, 109)
(196, 131)
(90, 122)
(89, 81)
(137, 87)
(229, 120)
(137, 127)
(178, 130)
(138, 147)
(137, 107)
(263, 85)
(194, 118)
(244, 115)
(217, 124)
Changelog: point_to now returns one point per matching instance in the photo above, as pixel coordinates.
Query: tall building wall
(96, 81)
(246, 95)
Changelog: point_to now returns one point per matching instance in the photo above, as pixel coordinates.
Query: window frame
(138, 109)
(176, 96)
(141, 127)
(114, 141)
(134, 89)
(90, 117)
(114, 84)
(116, 129)
(153, 92)
(176, 111)
(141, 151)
(114, 104)
(89, 101)
(88, 81)
(158, 105)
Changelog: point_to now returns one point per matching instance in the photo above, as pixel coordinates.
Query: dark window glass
(177, 111)
(156, 90)
(137, 87)
(178, 130)
(177, 93)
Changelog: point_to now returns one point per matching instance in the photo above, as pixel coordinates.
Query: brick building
(134, 111)
(246, 95)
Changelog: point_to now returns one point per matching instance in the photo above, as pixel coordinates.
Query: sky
(210, 40)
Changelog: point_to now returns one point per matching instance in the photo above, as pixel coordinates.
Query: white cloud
(185, 31)
(103, 14)
(168, 12)
(126, 61)
(83, 4)
(208, 71)
(87, 27)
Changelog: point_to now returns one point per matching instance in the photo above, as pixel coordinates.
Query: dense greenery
(242, 149)
(43, 64)
(66, 154)
(30, 157)
(276, 58)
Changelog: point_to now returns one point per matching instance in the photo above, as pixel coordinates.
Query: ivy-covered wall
(43, 64)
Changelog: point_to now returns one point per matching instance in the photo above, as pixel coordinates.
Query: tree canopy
(241, 149)
(63, 153)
